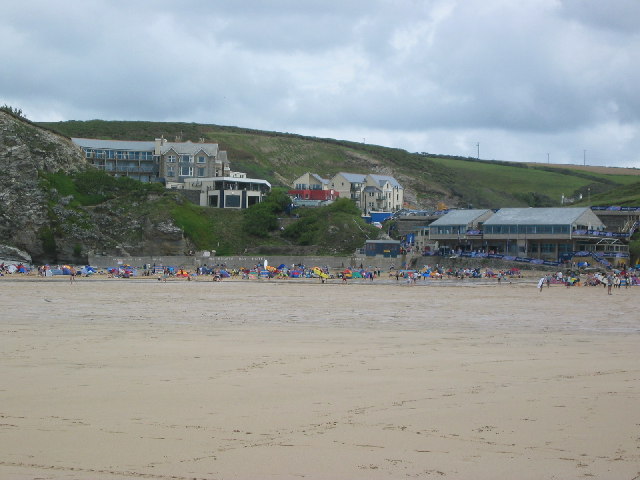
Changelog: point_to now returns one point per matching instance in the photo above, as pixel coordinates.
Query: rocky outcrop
(26, 150)
(41, 223)
(13, 255)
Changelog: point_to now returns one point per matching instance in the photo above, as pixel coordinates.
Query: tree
(260, 219)
(12, 110)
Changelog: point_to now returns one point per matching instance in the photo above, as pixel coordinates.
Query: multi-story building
(234, 191)
(371, 193)
(311, 181)
(311, 189)
(200, 167)
(182, 160)
(349, 185)
(554, 234)
(125, 158)
(156, 161)
(381, 193)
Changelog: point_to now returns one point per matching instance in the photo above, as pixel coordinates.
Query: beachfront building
(458, 229)
(349, 185)
(381, 193)
(125, 158)
(311, 181)
(179, 161)
(159, 160)
(201, 170)
(371, 193)
(546, 233)
(555, 234)
(312, 190)
(234, 191)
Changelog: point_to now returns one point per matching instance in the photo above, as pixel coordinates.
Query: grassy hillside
(626, 196)
(428, 179)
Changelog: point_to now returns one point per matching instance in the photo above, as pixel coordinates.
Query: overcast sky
(527, 80)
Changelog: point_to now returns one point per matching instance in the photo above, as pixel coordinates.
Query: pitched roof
(353, 177)
(190, 148)
(460, 217)
(381, 179)
(322, 181)
(536, 216)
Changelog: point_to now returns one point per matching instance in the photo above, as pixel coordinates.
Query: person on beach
(72, 275)
(541, 283)
(609, 283)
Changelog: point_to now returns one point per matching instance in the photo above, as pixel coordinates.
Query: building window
(202, 159)
(186, 158)
(171, 172)
(232, 201)
(201, 171)
(171, 158)
(547, 248)
(186, 171)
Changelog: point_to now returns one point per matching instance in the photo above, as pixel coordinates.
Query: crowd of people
(609, 280)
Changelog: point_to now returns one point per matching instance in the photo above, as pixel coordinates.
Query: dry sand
(114, 379)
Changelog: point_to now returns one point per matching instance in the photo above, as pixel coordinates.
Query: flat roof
(226, 179)
(114, 144)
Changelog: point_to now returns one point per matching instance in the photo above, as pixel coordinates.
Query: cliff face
(40, 223)
(24, 151)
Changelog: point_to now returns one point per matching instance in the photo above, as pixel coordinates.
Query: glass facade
(524, 229)
(449, 229)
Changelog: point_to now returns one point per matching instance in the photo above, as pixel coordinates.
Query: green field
(428, 179)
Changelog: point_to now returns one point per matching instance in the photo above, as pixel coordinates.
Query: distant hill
(428, 178)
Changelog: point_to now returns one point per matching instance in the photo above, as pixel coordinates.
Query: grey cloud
(525, 73)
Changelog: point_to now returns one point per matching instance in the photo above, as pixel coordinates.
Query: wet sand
(113, 379)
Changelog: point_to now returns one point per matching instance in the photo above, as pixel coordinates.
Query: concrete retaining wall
(355, 261)
(248, 261)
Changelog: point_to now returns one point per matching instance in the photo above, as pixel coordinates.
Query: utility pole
(478, 145)
(584, 157)
(547, 158)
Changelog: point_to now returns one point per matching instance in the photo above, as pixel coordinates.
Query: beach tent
(224, 274)
(87, 270)
(12, 269)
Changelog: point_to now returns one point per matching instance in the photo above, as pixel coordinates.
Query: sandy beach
(121, 378)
